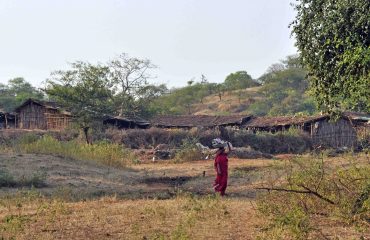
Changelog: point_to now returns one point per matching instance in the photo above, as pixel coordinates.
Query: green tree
(85, 90)
(239, 80)
(17, 91)
(285, 90)
(333, 40)
(146, 103)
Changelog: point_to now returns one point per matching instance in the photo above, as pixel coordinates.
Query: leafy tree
(285, 90)
(239, 80)
(15, 92)
(220, 88)
(333, 40)
(146, 104)
(85, 90)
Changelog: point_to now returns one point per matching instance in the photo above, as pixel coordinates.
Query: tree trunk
(86, 131)
(6, 121)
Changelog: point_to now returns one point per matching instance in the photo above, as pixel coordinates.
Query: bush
(283, 142)
(37, 179)
(206, 136)
(188, 151)
(12, 138)
(310, 188)
(147, 138)
(6, 180)
(101, 152)
(292, 141)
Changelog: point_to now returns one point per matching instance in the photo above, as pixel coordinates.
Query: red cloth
(221, 179)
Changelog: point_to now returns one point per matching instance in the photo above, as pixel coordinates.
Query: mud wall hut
(323, 132)
(202, 121)
(36, 114)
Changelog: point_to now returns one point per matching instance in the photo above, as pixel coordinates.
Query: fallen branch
(318, 195)
(306, 191)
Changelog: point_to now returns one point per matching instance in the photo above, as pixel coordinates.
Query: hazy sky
(185, 38)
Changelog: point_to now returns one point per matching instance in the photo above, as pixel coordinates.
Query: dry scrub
(305, 195)
(102, 152)
(185, 217)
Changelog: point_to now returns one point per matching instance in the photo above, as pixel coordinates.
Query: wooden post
(6, 121)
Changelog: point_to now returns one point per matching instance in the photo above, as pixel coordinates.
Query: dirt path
(162, 180)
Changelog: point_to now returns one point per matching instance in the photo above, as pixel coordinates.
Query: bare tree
(130, 74)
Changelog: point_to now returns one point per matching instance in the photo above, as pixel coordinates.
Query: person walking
(221, 165)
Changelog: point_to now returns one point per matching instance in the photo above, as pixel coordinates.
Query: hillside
(232, 102)
(282, 90)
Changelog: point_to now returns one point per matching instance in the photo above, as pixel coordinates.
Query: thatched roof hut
(38, 114)
(206, 121)
(127, 122)
(273, 124)
(7, 120)
(358, 118)
(361, 122)
(323, 131)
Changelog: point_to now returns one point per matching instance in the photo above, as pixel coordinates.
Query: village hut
(127, 122)
(202, 121)
(7, 120)
(358, 118)
(37, 114)
(323, 131)
(361, 122)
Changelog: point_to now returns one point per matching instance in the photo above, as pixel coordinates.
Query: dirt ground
(140, 202)
(160, 180)
(144, 201)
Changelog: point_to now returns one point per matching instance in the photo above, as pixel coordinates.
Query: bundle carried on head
(218, 143)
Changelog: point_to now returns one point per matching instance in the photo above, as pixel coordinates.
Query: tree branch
(306, 191)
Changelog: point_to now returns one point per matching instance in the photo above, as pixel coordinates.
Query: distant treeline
(125, 88)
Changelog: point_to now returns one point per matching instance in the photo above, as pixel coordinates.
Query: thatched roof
(358, 116)
(127, 121)
(45, 104)
(188, 121)
(270, 122)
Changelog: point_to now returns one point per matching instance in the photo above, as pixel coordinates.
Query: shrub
(206, 136)
(188, 151)
(283, 142)
(147, 138)
(101, 152)
(292, 141)
(6, 180)
(310, 188)
(37, 179)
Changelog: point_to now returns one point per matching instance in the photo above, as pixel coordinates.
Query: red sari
(221, 178)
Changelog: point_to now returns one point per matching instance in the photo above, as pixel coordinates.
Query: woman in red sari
(221, 167)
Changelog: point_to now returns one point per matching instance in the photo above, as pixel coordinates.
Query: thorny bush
(302, 188)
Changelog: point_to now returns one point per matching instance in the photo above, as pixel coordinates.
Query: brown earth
(84, 179)
(135, 209)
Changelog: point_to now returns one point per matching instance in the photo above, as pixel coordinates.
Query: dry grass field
(160, 200)
(109, 218)
(86, 179)
(235, 102)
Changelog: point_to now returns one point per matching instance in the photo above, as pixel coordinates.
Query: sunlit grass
(104, 153)
(28, 216)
